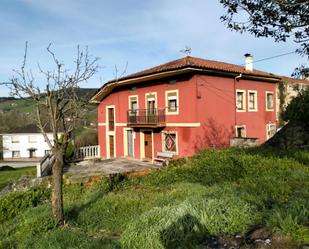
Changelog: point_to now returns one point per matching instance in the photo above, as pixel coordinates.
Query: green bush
(188, 223)
(17, 202)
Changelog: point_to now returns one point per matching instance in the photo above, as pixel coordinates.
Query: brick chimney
(248, 62)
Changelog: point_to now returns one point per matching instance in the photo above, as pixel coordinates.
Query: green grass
(9, 176)
(212, 194)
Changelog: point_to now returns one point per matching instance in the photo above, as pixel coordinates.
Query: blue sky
(140, 33)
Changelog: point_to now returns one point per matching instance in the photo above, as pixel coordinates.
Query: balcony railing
(146, 117)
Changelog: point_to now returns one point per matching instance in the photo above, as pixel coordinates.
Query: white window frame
(268, 129)
(108, 132)
(130, 101)
(31, 140)
(146, 99)
(241, 126)
(168, 112)
(15, 139)
(18, 153)
(163, 134)
(255, 100)
(244, 100)
(266, 102)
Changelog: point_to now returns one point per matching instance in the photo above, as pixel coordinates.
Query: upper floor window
(252, 101)
(32, 139)
(269, 101)
(169, 142)
(15, 139)
(111, 118)
(241, 100)
(240, 131)
(172, 102)
(133, 103)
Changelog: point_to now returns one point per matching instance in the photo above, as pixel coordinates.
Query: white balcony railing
(88, 152)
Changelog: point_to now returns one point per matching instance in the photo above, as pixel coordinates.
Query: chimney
(248, 62)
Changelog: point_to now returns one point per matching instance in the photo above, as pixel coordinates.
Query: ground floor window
(16, 154)
(271, 130)
(47, 152)
(169, 141)
(240, 131)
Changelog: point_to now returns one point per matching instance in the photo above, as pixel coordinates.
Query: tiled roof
(193, 63)
(197, 63)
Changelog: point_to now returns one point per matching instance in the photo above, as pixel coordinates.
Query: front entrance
(148, 144)
(130, 142)
(32, 153)
(111, 147)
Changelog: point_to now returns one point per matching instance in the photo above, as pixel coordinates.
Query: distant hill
(15, 112)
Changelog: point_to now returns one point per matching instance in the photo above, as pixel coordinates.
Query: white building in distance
(25, 143)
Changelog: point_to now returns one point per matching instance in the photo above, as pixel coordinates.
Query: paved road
(18, 164)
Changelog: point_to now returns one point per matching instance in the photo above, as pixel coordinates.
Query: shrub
(16, 202)
(188, 223)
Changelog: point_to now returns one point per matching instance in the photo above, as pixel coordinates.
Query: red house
(184, 106)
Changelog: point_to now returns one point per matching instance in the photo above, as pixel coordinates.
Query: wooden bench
(163, 157)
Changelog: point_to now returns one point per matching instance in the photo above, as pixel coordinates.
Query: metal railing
(44, 166)
(146, 116)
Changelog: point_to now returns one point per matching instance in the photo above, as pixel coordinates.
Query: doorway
(130, 142)
(148, 144)
(111, 146)
(32, 153)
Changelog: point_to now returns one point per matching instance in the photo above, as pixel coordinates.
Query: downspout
(237, 78)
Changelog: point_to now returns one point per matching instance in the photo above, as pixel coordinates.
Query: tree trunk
(57, 199)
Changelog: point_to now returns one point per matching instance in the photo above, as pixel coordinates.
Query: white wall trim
(255, 99)
(267, 109)
(146, 99)
(167, 112)
(244, 100)
(125, 142)
(142, 143)
(110, 133)
(183, 124)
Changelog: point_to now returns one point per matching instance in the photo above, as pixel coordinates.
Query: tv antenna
(187, 50)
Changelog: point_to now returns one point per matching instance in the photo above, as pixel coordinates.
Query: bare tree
(57, 108)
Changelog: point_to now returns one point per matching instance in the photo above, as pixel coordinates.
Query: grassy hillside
(9, 176)
(18, 112)
(216, 193)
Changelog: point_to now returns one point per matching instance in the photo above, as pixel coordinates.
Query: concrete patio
(91, 168)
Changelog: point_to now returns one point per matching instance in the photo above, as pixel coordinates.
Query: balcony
(146, 118)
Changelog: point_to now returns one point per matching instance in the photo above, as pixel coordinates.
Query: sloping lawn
(214, 193)
(9, 176)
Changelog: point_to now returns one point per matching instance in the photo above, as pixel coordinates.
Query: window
(111, 119)
(169, 142)
(240, 131)
(252, 101)
(270, 130)
(16, 154)
(47, 152)
(269, 101)
(133, 103)
(171, 101)
(15, 139)
(241, 100)
(32, 139)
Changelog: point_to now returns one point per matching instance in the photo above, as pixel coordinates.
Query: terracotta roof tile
(197, 63)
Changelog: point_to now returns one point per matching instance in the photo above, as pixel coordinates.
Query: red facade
(183, 114)
(184, 106)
